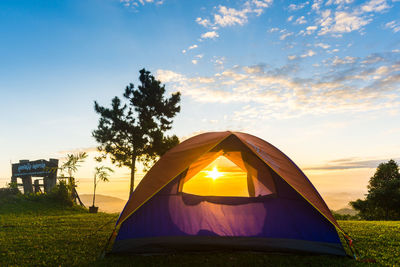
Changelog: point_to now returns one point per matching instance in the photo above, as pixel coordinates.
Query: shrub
(10, 191)
(61, 194)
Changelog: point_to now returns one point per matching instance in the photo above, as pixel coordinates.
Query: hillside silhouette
(105, 203)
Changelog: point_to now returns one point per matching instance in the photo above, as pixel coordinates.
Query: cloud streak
(136, 3)
(348, 85)
(348, 163)
(77, 150)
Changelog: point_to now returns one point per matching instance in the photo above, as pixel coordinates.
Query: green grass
(50, 235)
(18, 205)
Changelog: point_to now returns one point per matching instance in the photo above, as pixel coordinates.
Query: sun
(214, 174)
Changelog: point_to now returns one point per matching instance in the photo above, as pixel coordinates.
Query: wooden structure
(41, 169)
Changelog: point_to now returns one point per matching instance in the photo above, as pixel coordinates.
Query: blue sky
(318, 79)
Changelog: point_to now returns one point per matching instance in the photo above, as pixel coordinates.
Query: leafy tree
(135, 130)
(383, 198)
(101, 174)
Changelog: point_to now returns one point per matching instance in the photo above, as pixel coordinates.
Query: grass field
(44, 234)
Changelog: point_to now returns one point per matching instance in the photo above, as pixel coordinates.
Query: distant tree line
(345, 217)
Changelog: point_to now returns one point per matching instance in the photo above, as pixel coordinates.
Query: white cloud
(290, 18)
(167, 76)
(375, 6)
(256, 69)
(199, 56)
(219, 62)
(262, 3)
(203, 22)
(285, 35)
(322, 45)
(333, 51)
(342, 22)
(276, 94)
(345, 85)
(325, 19)
(229, 16)
(184, 51)
(135, 3)
(339, 2)
(341, 61)
(194, 61)
(309, 53)
(292, 57)
(309, 30)
(372, 59)
(393, 25)
(316, 5)
(294, 7)
(273, 30)
(210, 35)
(300, 20)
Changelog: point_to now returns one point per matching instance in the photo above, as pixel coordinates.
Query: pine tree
(135, 130)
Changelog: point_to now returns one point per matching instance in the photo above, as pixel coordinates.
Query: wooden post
(36, 186)
(27, 182)
(51, 178)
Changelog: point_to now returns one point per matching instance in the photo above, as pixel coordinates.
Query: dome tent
(226, 190)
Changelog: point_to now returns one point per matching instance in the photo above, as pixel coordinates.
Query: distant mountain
(347, 211)
(105, 203)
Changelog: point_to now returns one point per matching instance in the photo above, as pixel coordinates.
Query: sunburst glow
(214, 174)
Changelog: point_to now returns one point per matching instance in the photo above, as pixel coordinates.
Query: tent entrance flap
(227, 174)
(220, 178)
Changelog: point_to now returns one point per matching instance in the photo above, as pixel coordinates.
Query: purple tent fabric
(172, 214)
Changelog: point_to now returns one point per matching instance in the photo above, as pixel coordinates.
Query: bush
(61, 194)
(10, 191)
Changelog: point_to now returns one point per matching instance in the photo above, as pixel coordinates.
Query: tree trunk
(94, 189)
(132, 175)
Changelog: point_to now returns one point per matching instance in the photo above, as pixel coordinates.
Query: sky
(320, 80)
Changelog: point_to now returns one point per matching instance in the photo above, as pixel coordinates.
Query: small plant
(101, 174)
(71, 167)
